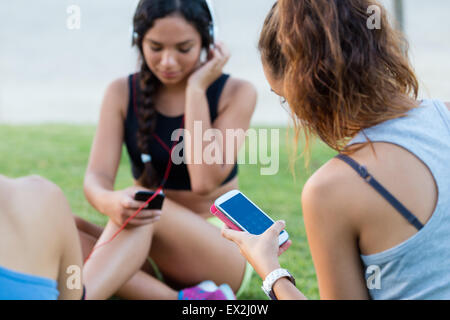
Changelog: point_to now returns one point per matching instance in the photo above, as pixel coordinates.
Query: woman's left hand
(207, 73)
(261, 251)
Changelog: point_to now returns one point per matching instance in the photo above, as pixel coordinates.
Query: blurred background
(51, 73)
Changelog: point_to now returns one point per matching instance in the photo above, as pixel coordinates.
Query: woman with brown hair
(376, 216)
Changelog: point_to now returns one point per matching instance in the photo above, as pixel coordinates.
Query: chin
(172, 81)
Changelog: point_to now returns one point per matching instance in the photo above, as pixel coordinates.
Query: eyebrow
(178, 44)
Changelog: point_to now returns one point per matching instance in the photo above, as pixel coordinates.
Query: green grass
(60, 154)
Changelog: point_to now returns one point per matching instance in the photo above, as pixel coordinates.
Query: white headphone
(214, 30)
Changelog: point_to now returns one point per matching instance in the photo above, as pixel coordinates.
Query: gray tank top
(418, 268)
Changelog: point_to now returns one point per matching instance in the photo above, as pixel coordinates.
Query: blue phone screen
(246, 214)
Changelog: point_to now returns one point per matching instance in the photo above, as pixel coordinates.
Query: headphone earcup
(203, 56)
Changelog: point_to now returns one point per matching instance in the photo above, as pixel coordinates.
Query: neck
(175, 88)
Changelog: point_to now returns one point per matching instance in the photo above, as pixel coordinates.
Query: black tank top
(161, 143)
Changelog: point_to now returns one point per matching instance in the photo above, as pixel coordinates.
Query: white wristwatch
(273, 277)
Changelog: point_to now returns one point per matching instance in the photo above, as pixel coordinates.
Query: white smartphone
(246, 215)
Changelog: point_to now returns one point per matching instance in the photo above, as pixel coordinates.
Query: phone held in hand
(240, 213)
(155, 204)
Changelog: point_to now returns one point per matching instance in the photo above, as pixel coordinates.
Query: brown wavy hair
(195, 12)
(339, 76)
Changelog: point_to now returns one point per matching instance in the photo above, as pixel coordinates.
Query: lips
(169, 75)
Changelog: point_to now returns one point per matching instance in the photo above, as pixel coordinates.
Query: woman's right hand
(121, 205)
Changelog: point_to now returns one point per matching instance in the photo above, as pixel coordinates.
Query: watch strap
(273, 277)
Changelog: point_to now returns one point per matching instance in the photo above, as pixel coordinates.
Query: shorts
(248, 268)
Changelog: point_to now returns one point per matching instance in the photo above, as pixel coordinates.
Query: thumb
(126, 201)
(129, 202)
(233, 235)
(276, 228)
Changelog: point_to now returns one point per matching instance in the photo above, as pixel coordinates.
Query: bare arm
(208, 174)
(448, 105)
(235, 117)
(333, 240)
(107, 146)
(104, 162)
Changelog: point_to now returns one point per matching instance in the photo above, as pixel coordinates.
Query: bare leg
(182, 238)
(89, 234)
(142, 286)
(116, 264)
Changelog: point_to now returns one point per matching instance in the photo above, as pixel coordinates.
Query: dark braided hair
(195, 12)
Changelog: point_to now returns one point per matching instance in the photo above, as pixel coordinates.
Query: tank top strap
(362, 171)
(214, 93)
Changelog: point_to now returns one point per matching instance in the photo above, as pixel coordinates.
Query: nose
(168, 59)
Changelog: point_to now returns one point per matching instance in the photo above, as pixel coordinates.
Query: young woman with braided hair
(174, 89)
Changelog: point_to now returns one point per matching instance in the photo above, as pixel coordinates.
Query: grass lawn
(60, 154)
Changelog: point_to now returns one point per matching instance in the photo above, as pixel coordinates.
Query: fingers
(276, 228)
(130, 203)
(142, 215)
(220, 55)
(142, 218)
(233, 235)
(142, 222)
(284, 247)
(224, 54)
(147, 214)
(223, 50)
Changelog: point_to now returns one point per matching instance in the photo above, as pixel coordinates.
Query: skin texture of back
(37, 232)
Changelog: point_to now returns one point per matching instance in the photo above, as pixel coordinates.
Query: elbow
(86, 186)
(89, 187)
(203, 188)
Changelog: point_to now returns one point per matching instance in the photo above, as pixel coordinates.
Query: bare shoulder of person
(238, 90)
(117, 96)
(35, 195)
(34, 183)
(448, 105)
(335, 191)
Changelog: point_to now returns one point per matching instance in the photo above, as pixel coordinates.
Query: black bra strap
(362, 171)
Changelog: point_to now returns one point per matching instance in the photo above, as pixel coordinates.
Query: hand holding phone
(155, 204)
(240, 213)
(264, 240)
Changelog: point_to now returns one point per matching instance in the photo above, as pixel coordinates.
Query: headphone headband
(214, 30)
